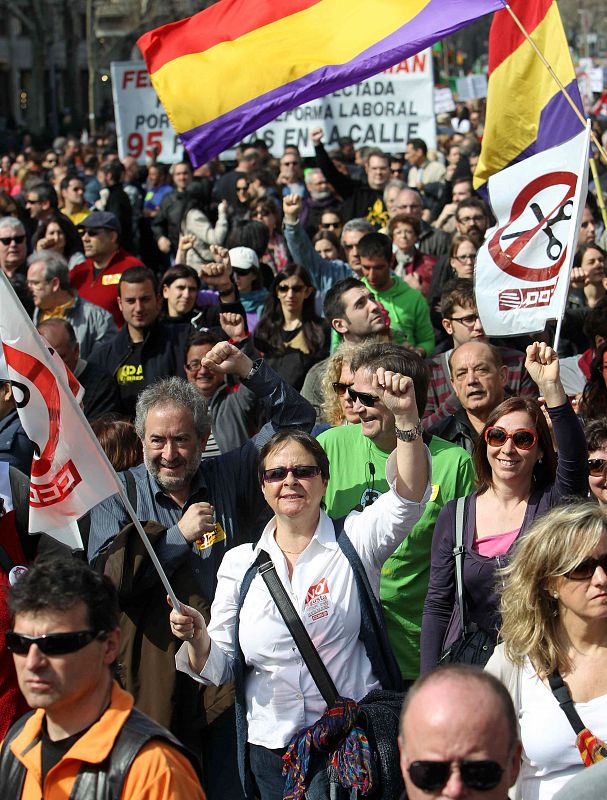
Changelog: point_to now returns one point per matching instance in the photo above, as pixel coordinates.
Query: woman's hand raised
(188, 625)
(542, 364)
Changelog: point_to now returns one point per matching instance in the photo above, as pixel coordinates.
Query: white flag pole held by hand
(70, 473)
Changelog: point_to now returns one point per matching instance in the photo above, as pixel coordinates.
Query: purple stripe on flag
(438, 19)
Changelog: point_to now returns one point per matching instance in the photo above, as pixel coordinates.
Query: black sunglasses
(366, 399)
(282, 288)
(300, 471)
(596, 466)
(51, 644)
(6, 240)
(523, 438)
(585, 570)
(340, 388)
(430, 776)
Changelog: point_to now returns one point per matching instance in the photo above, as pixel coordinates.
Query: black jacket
(456, 428)
(168, 219)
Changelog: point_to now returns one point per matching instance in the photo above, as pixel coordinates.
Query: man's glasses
(340, 388)
(299, 471)
(6, 240)
(468, 319)
(366, 399)
(463, 259)
(91, 231)
(431, 776)
(51, 644)
(468, 220)
(194, 365)
(585, 570)
(284, 289)
(597, 466)
(523, 438)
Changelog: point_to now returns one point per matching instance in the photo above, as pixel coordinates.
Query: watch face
(369, 496)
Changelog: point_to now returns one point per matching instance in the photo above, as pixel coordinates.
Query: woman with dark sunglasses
(279, 695)
(596, 440)
(554, 639)
(289, 333)
(518, 479)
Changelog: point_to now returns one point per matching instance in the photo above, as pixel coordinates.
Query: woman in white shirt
(554, 623)
(280, 695)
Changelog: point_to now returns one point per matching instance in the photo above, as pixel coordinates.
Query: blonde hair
(556, 543)
(330, 409)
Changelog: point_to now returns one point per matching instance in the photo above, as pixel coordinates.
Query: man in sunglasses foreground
(84, 734)
(459, 736)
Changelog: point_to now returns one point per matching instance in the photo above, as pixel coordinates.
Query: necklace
(290, 552)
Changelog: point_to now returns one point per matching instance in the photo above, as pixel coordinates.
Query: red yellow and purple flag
(237, 65)
(526, 111)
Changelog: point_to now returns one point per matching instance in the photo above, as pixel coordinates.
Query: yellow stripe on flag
(233, 73)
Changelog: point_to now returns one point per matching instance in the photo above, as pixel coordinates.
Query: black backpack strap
(12, 771)
(563, 696)
(287, 610)
(458, 552)
(372, 622)
(131, 488)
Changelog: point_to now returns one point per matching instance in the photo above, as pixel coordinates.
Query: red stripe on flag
(505, 35)
(223, 21)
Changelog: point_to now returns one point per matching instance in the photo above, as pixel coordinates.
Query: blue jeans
(266, 766)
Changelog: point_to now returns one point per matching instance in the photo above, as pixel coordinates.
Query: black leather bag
(474, 645)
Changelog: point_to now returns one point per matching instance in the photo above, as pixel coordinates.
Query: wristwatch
(255, 368)
(411, 435)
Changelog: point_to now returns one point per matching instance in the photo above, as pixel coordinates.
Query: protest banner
(384, 111)
(142, 124)
(522, 270)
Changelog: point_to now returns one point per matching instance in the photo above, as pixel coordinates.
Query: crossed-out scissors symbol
(554, 248)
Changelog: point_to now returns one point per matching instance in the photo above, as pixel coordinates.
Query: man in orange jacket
(84, 739)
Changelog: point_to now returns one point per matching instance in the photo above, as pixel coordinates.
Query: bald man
(459, 736)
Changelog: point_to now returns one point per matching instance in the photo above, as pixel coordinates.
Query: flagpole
(582, 175)
(62, 380)
(556, 78)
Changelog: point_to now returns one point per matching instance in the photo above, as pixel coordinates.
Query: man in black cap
(96, 279)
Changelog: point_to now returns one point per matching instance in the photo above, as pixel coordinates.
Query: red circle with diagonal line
(505, 259)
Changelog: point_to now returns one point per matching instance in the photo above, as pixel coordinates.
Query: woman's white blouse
(550, 754)
(281, 696)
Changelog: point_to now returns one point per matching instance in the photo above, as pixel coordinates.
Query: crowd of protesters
(283, 359)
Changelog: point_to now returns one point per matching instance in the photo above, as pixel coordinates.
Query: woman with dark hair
(587, 276)
(289, 332)
(593, 402)
(518, 479)
(179, 289)
(58, 234)
(279, 700)
(119, 441)
(328, 246)
(196, 222)
(596, 441)
(265, 210)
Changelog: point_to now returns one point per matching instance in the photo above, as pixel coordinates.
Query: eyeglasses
(327, 226)
(475, 218)
(366, 399)
(240, 271)
(51, 644)
(585, 570)
(283, 288)
(241, 188)
(29, 202)
(91, 231)
(340, 388)
(194, 365)
(397, 171)
(523, 438)
(597, 466)
(299, 471)
(468, 320)
(430, 776)
(462, 259)
(6, 240)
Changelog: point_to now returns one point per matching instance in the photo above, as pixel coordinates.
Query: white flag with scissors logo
(522, 270)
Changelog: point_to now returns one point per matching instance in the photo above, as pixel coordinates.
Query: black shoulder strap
(458, 552)
(6, 562)
(12, 771)
(563, 696)
(131, 488)
(313, 662)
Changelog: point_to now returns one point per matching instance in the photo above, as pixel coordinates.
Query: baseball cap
(101, 219)
(243, 258)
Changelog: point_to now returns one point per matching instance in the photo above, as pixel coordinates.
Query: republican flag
(522, 270)
(526, 111)
(70, 473)
(238, 64)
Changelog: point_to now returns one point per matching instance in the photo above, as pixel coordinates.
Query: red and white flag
(522, 270)
(70, 472)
